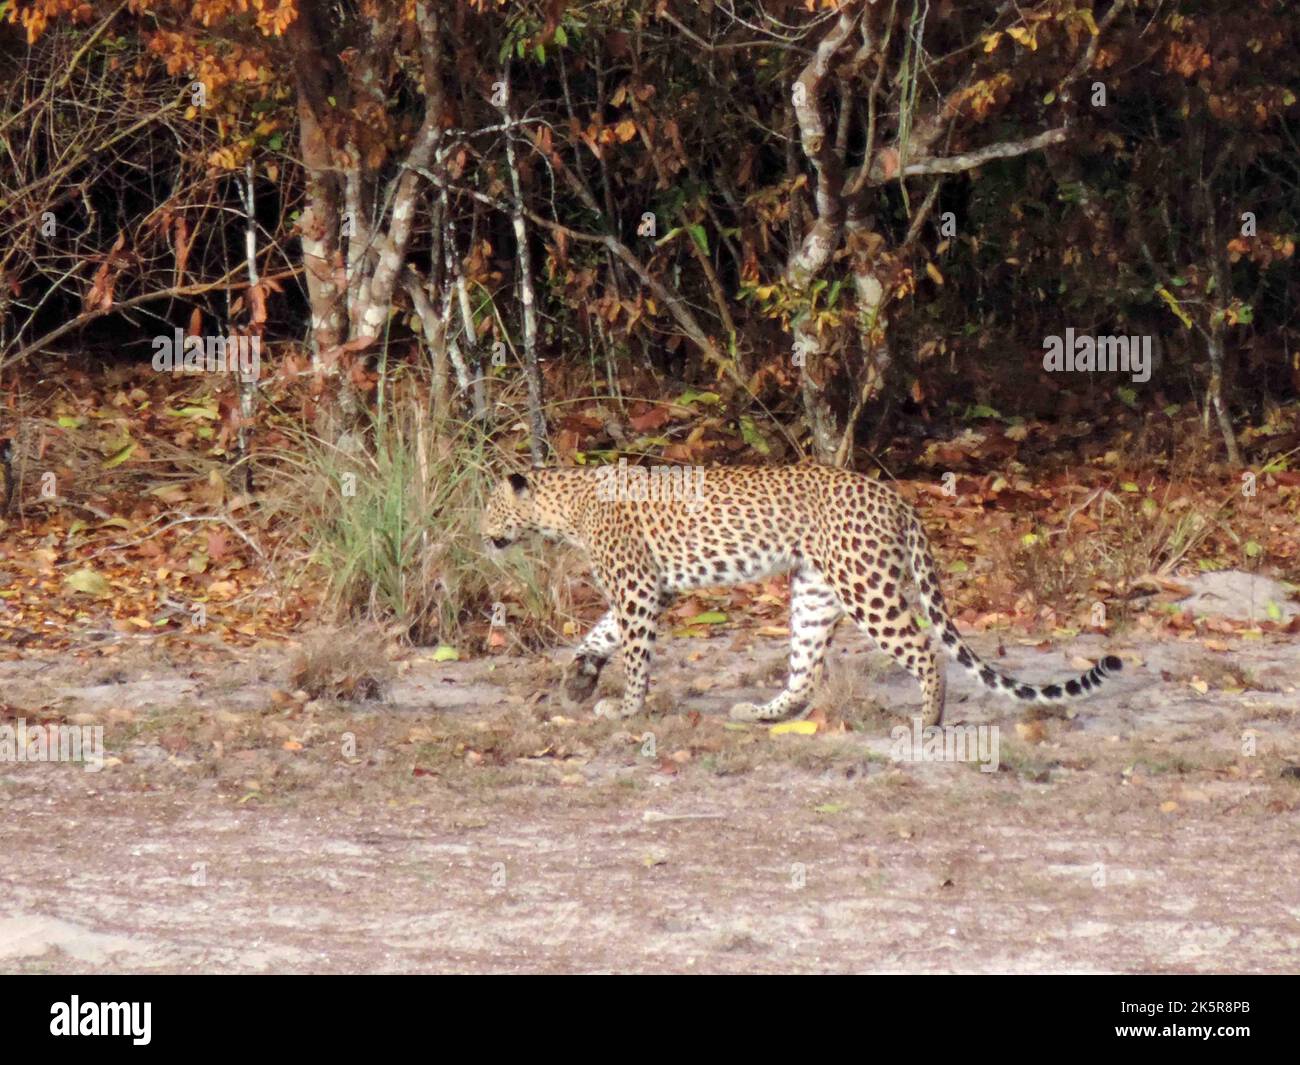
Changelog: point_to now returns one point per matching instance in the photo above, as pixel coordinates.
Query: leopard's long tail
(931, 595)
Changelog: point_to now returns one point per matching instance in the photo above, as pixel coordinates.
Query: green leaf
(1127, 396)
(690, 396)
(978, 410)
(1253, 549)
(1273, 610)
(709, 617)
(830, 808)
(193, 411)
(1174, 306)
(120, 455)
(561, 38)
(67, 421)
(87, 580)
(750, 434)
(444, 653)
(700, 237)
(1129, 486)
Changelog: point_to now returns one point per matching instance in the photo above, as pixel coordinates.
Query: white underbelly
(716, 573)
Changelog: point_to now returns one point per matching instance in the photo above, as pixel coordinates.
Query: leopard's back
(741, 523)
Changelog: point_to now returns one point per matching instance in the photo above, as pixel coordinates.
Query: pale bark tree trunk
(1214, 329)
(248, 381)
(811, 255)
(843, 218)
(355, 241)
(375, 287)
(537, 441)
(434, 326)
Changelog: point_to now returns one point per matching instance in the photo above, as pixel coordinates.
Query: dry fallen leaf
(793, 728)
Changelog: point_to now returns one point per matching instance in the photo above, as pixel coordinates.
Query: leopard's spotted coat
(847, 541)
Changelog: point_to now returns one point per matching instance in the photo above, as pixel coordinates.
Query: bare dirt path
(465, 823)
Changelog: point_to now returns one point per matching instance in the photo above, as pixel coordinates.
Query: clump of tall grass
(390, 523)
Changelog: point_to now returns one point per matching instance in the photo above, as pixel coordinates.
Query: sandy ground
(465, 823)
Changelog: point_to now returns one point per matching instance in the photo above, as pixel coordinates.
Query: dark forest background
(676, 231)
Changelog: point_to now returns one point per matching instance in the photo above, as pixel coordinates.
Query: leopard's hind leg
(871, 595)
(814, 610)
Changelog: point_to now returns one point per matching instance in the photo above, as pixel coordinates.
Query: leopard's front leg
(589, 658)
(636, 601)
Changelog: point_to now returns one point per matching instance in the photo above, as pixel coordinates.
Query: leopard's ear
(520, 484)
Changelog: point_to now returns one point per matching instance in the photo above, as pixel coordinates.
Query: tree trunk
(527, 297)
(321, 222)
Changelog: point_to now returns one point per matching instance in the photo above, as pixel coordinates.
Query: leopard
(848, 542)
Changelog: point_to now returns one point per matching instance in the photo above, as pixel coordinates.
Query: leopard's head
(510, 511)
(544, 501)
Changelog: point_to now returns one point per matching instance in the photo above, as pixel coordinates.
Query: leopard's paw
(614, 709)
(746, 712)
(580, 677)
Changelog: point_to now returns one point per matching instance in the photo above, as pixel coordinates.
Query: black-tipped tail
(927, 584)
